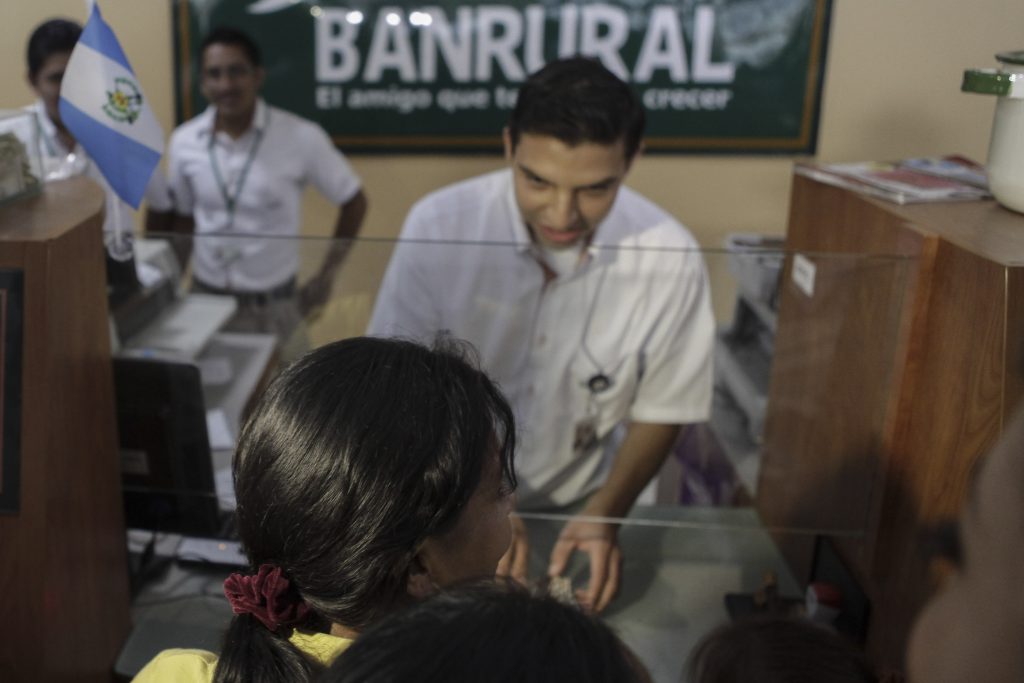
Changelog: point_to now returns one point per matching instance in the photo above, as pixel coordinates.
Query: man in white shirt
(588, 304)
(47, 54)
(237, 173)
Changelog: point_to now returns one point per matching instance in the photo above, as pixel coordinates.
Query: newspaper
(938, 179)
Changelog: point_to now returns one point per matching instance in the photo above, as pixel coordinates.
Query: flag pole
(102, 104)
(119, 246)
(116, 243)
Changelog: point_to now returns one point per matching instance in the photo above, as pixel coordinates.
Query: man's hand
(643, 450)
(513, 562)
(599, 540)
(314, 293)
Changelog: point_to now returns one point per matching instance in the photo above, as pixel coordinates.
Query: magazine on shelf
(938, 179)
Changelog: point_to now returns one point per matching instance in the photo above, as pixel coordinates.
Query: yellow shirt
(197, 666)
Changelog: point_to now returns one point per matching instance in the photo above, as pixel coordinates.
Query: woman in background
(370, 473)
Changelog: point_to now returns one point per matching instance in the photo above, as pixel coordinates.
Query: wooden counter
(916, 390)
(63, 563)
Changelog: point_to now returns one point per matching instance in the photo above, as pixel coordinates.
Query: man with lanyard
(237, 172)
(588, 304)
(49, 49)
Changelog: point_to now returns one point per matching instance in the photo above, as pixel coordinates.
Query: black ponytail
(251, 653)
(353, 457)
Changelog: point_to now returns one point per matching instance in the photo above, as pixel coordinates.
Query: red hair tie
(267, 597)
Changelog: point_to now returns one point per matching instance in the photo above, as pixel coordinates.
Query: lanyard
(600, 381)
(51, 151)
(51, 142)
(230, 200)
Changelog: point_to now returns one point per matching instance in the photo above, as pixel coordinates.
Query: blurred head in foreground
(776, 649)
(488, 631)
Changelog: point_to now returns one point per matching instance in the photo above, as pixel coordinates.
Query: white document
(219, 431)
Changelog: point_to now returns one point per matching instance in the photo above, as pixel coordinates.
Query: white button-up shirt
(636, 309)
(266, 170)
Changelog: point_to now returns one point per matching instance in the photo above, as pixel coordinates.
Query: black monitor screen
(166, 466)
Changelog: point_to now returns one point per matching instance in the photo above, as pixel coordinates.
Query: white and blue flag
(102, 104)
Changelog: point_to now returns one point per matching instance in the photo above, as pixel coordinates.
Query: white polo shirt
(59, 162)
(636, 309)
(266, 171)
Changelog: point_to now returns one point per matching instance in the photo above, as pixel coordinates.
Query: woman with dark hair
(488, 632)
(371, 472)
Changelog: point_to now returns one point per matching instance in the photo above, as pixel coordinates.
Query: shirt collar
(48, 127)
(520, 234)
(260, 118)
(55, 146)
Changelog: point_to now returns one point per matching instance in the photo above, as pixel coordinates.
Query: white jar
(1006, 147)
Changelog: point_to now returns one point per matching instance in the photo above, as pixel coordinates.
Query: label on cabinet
(803, 274)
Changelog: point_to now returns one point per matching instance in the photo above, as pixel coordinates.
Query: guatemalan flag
(102, 104)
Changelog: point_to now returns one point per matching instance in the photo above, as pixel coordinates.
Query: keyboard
(211, 551)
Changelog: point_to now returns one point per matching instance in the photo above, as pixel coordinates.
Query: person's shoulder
(188, 132)
(640, 210)
(181, 665)
(294, 125)
(637, 217)
(302, 137)
(278, 115)
(464, 198)
(477, 190)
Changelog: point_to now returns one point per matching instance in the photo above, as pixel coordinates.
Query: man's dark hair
(228, 35)
(578, 100)
(53, 37)
(492, 632)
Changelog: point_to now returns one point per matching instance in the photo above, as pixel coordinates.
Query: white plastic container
(21, 166)
(1006, 147)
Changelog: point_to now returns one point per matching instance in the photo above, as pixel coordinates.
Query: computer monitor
(122, 280)
(166, 465)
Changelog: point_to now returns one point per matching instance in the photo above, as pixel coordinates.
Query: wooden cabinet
(911, 394)
(63, 562)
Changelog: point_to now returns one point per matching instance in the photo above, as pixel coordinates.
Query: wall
(891, 90)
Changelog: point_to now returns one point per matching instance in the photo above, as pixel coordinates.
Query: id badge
(585, 436)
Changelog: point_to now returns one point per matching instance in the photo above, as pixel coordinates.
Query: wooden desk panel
(63, 563)
(831, 376)
(912, 417)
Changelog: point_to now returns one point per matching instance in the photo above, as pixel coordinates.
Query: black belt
(284, 291)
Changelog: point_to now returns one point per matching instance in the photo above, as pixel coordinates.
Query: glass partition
(806, 354)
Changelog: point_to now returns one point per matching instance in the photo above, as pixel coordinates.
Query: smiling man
(237, 173)
(588, 304)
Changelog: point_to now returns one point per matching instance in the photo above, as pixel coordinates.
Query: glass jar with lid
(1006, 147)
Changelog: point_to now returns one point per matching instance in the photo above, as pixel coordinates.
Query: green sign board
(732, 76)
